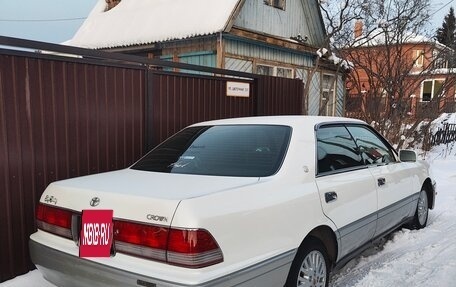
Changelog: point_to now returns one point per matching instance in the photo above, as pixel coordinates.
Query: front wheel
(422, 211)
(310, 267)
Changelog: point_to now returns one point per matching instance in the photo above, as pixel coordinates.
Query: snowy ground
(417, 258)
(414, 258)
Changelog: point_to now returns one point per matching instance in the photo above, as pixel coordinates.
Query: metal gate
(75, 112)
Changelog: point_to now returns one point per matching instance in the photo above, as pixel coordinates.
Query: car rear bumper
(67, 270)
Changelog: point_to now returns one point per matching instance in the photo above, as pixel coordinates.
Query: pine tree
(447, 33)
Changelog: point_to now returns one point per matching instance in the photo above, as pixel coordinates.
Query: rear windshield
(229, 150)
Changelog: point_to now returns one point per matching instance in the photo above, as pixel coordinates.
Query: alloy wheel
(313, 270)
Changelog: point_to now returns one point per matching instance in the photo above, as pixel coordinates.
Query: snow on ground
(33, 278)
(415, 258)
(409, 258)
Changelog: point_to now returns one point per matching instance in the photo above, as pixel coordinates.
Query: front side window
(229, 150)
(336, 149)
(372, 149)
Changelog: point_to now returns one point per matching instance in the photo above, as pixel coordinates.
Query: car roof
(281, 120)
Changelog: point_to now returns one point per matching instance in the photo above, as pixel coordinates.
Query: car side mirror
(406, 155)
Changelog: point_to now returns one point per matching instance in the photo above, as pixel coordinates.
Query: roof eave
(230, 22)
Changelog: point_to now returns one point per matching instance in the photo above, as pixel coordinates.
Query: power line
(43, 20)
(449, 2)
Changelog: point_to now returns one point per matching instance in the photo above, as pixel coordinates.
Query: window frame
(330, 108)
(279, 4)
(381, 139)
(337, 171)
(345, 125)
(274, 69)
(432, 88)
(418, 61)
(438, 61)
(179, 157)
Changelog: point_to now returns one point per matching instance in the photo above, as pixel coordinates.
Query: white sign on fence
(237, 89)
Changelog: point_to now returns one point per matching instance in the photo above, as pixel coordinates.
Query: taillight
(146, 241)
(192, 248)
(54, 220)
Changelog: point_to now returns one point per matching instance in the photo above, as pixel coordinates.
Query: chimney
(358, 28)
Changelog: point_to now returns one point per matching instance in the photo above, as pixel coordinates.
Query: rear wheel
(422, 211)
(310, 267)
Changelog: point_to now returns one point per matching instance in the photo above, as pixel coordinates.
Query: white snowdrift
(417, 258)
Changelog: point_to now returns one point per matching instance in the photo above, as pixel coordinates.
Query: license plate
(96, 233)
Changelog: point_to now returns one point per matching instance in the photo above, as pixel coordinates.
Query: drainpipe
(220, 55)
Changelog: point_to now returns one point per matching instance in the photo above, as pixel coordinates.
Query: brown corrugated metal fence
(59, 120)
(65, 117)
(181, 100)
(279, 96)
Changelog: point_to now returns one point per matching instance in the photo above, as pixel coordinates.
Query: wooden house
(270, 37)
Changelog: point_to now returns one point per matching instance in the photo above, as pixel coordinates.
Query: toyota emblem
(95, 201)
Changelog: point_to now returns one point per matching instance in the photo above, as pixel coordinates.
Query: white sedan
(262, 201)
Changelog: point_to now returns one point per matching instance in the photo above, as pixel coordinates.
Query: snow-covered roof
(139, 22)
(440, 71)
(378, 36)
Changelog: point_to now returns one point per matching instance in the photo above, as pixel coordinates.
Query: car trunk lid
(136, 195)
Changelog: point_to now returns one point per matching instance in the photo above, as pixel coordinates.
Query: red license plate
(96, 233)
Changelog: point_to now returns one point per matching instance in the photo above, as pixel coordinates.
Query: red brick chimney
(358, 31)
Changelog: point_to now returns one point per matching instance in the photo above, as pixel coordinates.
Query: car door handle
(381, 181)
(330, 196)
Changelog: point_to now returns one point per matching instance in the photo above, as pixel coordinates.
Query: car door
(346, 187)
(393, 180)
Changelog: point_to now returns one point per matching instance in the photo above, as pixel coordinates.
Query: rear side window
(372, 149)
(336, 149)
(229, 150)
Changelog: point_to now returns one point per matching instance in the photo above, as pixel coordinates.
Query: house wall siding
(301, 18)
(262, 52)
(241, 53)
(238, 65)
(201, 58)
(314, 95)
(340, 96)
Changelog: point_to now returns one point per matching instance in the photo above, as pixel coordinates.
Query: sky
(56, 21)
(53, 21)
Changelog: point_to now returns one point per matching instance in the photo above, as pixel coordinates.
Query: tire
(422, 211)
(311, 266)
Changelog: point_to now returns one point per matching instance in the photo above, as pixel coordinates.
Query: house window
(265, 70)
(276, 3)
(268, 70)
(431, 89)
(439, 59)
(284, 72)
(328, 95)
(419, 58)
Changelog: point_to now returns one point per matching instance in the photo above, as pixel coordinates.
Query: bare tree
(392, 58)
(338, 16)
